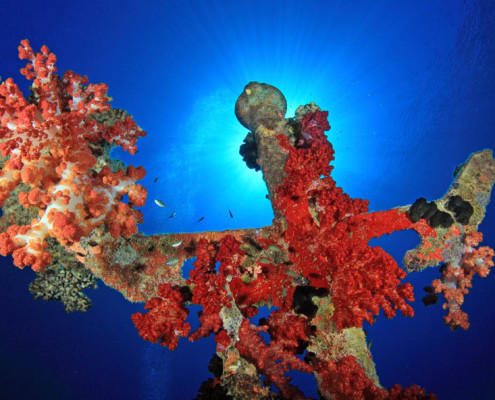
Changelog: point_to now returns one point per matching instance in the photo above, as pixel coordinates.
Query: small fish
(273, 248)
(284, 292)
(269, 302)
(156, 179)
(265, 261)
(172, 261)
(230, 212)
(177, 244)
(201, 219)
(160, 203)
(172, 215)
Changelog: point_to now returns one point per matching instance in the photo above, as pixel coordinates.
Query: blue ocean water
(410, 90)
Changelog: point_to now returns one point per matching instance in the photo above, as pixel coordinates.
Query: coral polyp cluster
(313, 267)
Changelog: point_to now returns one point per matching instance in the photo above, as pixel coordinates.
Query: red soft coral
(271, 360)
(165, 321)
(328, 247)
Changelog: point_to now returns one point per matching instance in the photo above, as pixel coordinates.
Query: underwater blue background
(410, 88)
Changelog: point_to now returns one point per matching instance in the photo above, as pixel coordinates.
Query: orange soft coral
(47, 140)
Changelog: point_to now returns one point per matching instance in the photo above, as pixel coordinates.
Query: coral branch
(457, 277)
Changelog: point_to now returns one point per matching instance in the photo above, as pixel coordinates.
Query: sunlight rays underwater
(307, 62)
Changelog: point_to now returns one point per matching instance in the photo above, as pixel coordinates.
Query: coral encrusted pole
(69, 212)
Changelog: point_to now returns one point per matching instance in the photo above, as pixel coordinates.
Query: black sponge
(462, 209)
(429, 211)
(302, 302)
